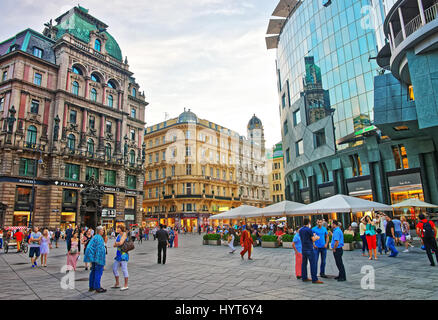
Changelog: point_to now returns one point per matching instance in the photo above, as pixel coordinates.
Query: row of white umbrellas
(337, 203)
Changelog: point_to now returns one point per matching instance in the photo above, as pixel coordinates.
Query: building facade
(326, 65)
(71, 110)
(193, 171)
(276, 174)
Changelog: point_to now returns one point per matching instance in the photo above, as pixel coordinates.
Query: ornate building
(276, 175)
(71, 109)
(195, 168)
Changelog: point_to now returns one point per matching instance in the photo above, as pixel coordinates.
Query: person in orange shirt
(19, 236)
(279, 233)
(246, 242)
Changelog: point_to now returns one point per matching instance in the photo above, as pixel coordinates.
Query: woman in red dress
(246, 242)
(175, 241)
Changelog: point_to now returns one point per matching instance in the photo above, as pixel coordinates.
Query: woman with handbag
(121, 259)
(95, 254)
(74, 248)
(406, 234)
(370, 233)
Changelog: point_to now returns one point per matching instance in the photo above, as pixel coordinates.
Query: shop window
(69, 197)
(27, 167)
(72, 171)
(34, 106)
(23, 195)
(130, 203)
(110, 177)
(108, 200)
(90, 171)
(400, 157)
(356, 165)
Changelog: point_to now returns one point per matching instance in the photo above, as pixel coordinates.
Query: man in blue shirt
(320, 246)
(296, 245)
(338, 251)
(397, 230)
(308, 237)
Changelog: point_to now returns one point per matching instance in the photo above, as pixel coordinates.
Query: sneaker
(124, 288)
(317, 282)
(101, 290)
(406, 250)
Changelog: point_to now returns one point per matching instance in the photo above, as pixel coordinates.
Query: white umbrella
(341, 203)
(281, 219)
(241, 212)
(414, 202)
(282, 208)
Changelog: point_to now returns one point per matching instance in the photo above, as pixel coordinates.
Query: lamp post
(32, 205)
(159, 202)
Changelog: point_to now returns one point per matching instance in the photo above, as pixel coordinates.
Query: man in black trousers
(163, 241)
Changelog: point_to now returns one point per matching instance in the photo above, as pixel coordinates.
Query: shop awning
(414, 202)
(241, 212)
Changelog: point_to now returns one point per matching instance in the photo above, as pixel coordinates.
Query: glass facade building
(334, 35)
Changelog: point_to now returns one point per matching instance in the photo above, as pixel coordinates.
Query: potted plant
(236, 240)
(269, 241)
(205, 239)
(357, 241)
(214, 239)
(348, 242)
(254, 239)
(287, 240)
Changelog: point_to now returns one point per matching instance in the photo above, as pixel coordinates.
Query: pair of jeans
(339, 264)
(162, 247)
(123, 265)
(390, 244)
(364, 243)
(309, 255)
(323, 252)
(1, 243)
(95, 276)
(381, 242)
(430, 244)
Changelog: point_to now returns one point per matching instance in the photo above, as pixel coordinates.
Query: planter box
(357, 245)
(287, 245)
(214, 242)
(348, 247)
(205, 242)
(269, 244)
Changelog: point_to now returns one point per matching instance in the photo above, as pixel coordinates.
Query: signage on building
(404, 180)
(129, 217)
(326, 192)
(363, 186)
(24, 181)
(305, 196)
(189, 215)
(108, 213)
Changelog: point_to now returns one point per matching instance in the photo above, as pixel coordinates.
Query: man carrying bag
(427, 231)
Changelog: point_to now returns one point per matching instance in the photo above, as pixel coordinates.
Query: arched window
(90, 147)
(76, 70)
(71, 142)
(112, 84)
(31, 136)
(110, 101)
(97, 45)
(108, 151)
(132, 157)
(75, 88)
(134, 92)
(95, 78)
(93, 95)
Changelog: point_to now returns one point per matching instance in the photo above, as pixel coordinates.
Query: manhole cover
(82, 279)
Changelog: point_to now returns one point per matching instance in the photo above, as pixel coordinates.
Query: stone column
(64, 122)
(82, 143)
(120, 100)
(100, 147)
(118, 150)
(87, 87)
(103, 93)
(421, 9)
(402, 22)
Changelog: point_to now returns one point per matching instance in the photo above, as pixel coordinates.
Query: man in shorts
(34, 246)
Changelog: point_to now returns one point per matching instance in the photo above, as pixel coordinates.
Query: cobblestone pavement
(198, 272)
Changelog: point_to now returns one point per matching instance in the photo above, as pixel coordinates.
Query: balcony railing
(413, 25)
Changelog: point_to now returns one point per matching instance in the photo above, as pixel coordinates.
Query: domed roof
(187, 116)
(255, 123)
(79, 23)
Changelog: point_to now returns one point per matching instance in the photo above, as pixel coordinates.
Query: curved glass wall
(341, 45)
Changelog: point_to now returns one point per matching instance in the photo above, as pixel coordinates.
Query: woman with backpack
(121, 259)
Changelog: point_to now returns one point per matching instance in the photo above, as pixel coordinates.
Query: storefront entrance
(190, 223)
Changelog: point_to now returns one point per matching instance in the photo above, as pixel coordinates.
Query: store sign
(68, 184)
(132, 193)
(326, 192)
(108, 213)
(189, 215)
(405, 180)
(305, 196)
(23, 181)
(129, 217)
(223, 209)
(359, 186)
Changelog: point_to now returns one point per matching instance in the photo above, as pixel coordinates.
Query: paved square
(198, 272)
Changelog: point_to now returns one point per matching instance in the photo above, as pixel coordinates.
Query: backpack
(428, 232)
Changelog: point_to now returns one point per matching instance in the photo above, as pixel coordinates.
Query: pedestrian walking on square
(95, 254)
(175, 240)
(362, 229)
(370, 234)
(121, 259)
(84, 241)
(56, 236)
(246, 242)
(296, 245)
(381, 233)
(45, 247)
(171, 237)
(73, 251)
(231, 237)
(154, 233)
(320, 246)
(427, 231)
(308, 237)
(68, 233)
(397, 231)
(146, 233)
(140, 235)
(34, 246)
(406, 234)
(337, 245)
(390, 237)
(1, 238)
(19, 237)
(163, 242)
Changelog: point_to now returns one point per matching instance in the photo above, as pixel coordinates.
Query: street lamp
(159, 202)
(32, 206)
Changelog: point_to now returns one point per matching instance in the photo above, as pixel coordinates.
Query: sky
(206, 55)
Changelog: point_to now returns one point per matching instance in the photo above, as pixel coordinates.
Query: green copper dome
(79, 23)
